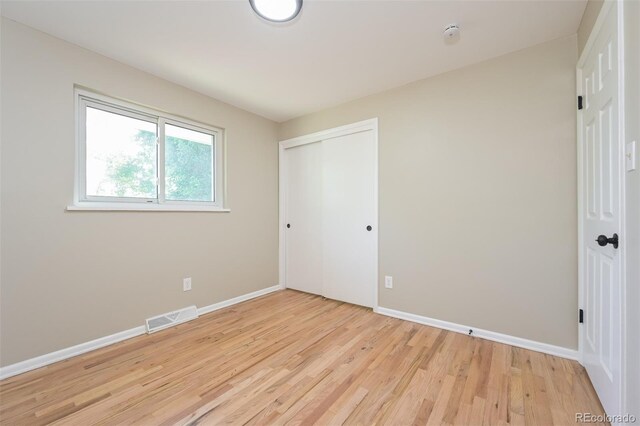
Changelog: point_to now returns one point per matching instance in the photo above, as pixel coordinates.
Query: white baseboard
(62, 354)
(236, 300)
(484, 334)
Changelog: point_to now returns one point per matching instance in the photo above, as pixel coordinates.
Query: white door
(601, 215)
(349, 214)
(303, 217)
(329, 213)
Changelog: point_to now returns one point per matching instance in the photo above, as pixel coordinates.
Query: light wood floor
(295, 358)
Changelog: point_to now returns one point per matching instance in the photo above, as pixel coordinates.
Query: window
(134, 158)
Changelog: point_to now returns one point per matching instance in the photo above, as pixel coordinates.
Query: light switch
(630, 156)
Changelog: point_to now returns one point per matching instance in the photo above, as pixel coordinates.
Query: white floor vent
(172, 318)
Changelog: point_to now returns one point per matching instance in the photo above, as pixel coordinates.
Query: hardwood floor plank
(295, 358)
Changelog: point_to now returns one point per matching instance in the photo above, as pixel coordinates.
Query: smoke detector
(451, 33)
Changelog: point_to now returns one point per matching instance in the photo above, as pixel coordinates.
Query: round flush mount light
(277, 10)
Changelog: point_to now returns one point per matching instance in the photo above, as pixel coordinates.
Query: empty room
(328, 212)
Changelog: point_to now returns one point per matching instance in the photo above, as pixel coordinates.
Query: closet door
(303, 218)
(349, 213)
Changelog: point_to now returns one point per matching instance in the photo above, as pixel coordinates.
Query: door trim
(349, 129)
(606, 7)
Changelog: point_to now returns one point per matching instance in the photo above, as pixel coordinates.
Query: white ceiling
(334, 52)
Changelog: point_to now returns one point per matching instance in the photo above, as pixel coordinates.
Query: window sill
(135, 207)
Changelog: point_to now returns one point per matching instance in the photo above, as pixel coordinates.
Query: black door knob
(288, 225)
(603, 240)
(369, 228)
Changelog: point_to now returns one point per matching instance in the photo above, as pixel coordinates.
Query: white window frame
(84, 99)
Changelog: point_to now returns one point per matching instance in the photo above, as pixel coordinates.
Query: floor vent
(170, 319)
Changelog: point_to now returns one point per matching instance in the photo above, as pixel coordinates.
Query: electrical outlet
(388, 281)
(186, 284)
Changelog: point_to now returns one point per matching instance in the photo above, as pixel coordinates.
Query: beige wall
(71, 277)
(588, 20)
(478, 192)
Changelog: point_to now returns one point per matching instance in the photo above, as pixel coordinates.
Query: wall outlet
(186, 284)
(388, 281)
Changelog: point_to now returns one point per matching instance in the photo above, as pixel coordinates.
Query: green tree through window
(188, 168)
(134, 173)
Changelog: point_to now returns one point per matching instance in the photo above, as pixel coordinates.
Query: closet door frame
(349, 129)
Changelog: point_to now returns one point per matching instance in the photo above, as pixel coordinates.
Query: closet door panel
(303, 250)
(348, 208)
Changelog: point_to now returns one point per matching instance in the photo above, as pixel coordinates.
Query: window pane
(121, 155)
(188, 164)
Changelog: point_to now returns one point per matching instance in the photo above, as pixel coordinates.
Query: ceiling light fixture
(277, 10)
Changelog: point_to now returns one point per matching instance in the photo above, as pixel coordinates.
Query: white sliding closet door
(303, 217)
(329, 213)
(348, 211)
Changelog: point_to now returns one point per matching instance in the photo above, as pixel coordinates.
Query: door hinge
(579, 102)
(581, 316)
